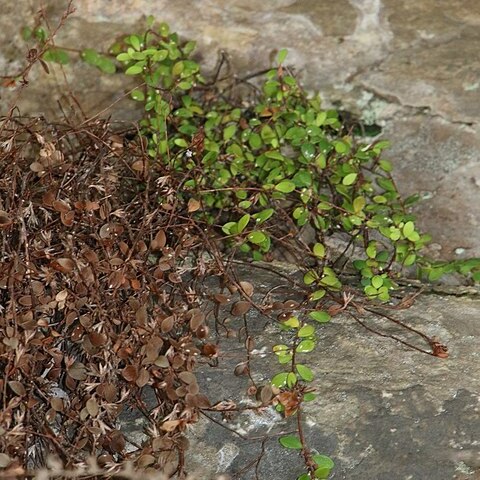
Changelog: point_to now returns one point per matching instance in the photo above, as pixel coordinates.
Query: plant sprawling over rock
(109, 237)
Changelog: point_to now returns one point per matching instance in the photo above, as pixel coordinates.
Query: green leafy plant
(278, 168)
(282, 151)
(292, 389)
(264, 175)
(62, 55)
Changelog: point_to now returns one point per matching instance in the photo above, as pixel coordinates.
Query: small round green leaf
(371, 291)
(267, 134)
(319, 250)
(106, 65)
(324, 465)
(280, 380)
(181, 142)
(134, 70)
(435, 274)
(255, 141)
(138, 95)
(40, 33)
(410, 260)
(318, 294)
(408, 228)
(56, 55)
(385, 165)
(371, 250)
(322, 473)
(135, 42)
(282, 55)
(227, 228)
(243, 222)
(245, 204)
(320, 316)
(286, 186)
(305, 372)
(285, 358)
(305, 346)
(290, 441)
(341, 147)
(323, 461)
(185, 85)
(123, 57)
(309, 397)
(291, 379)
(280, 348)
(320, 119)
(292, 322)
(256, 237)
(303, 178)
(160, 55)
(349, 179)
(306, 331)
(380, 199)
(310, 277)
(377, 281)
(358, 204)
(229, 132)
(90, 56)
(178, 68)
(308, 150)
(264, 215)
(330, 281)
(414, 237)
(27, 33)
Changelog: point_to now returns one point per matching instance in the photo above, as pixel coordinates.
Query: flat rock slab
(383, 411)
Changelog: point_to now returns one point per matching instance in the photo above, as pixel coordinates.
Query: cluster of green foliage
(60, 55)
(258, 173)
(283, 151)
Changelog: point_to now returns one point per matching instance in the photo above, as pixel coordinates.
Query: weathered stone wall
(411, 66)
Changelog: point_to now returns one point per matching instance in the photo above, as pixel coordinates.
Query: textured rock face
(383, 411)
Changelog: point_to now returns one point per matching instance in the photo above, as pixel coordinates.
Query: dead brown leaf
(240, 308)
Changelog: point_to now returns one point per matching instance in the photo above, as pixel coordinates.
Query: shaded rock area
(383, 411)
(411, 67)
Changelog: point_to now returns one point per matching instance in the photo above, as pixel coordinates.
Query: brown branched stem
(255, 462)
(407, 302)
(307, 455)
(387, 335)
(34, 56)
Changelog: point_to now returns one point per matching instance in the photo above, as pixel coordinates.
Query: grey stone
(417, 146)
(383, 411)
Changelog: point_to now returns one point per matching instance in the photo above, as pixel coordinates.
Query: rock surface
(383, 411)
